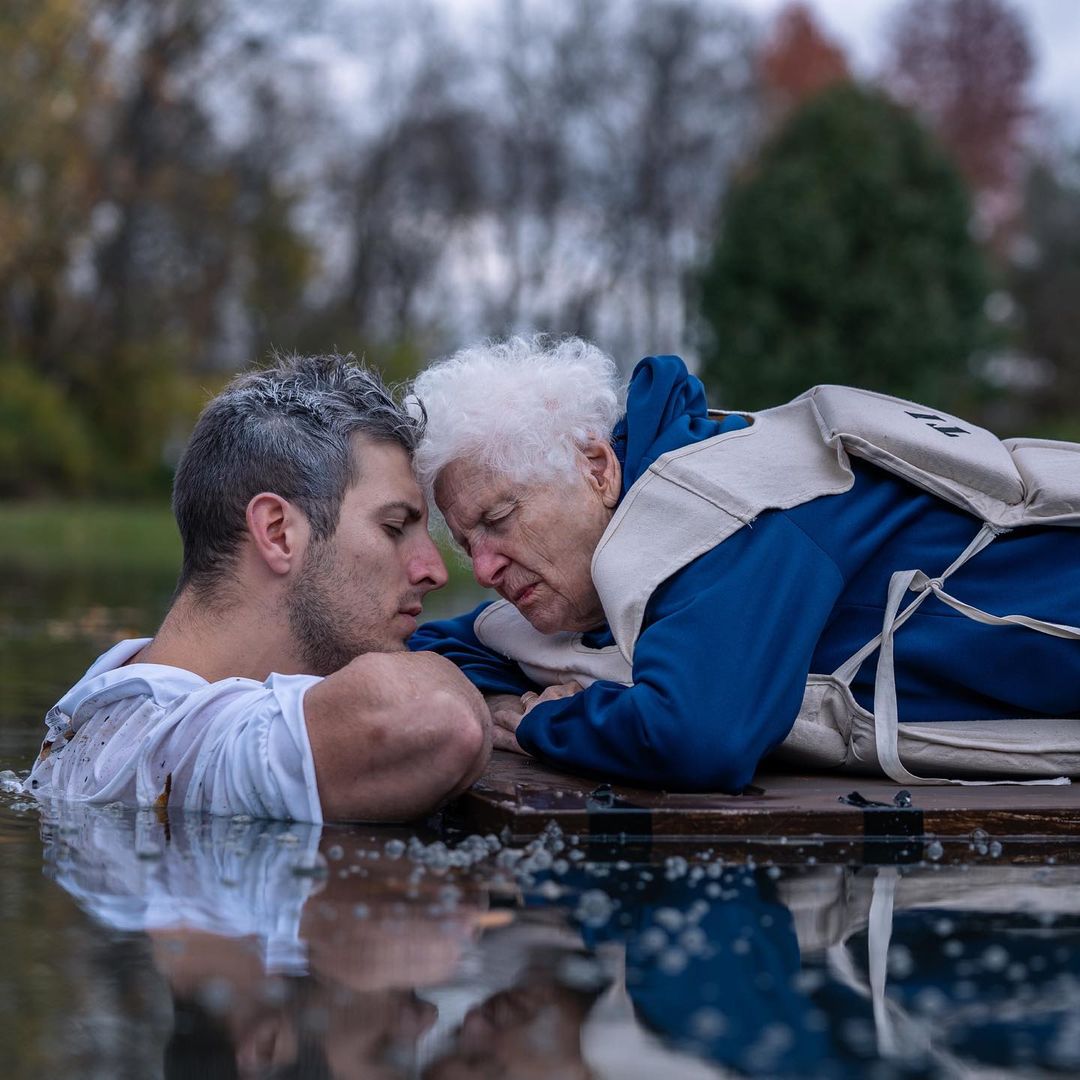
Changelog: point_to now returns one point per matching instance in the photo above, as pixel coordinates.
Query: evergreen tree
(844, 256)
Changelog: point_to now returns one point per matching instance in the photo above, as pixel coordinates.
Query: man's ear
(603, 470)
(279, 531)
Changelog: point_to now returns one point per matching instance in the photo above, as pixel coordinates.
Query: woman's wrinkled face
(533, 542)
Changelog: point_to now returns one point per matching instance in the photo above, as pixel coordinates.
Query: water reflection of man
(274, 957)
(278, 685)
(529, 1031)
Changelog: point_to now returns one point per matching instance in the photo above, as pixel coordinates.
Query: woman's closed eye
(497, 518)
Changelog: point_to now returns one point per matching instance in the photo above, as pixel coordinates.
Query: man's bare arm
(394, 735)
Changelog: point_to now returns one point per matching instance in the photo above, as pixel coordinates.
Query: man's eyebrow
(411, 511)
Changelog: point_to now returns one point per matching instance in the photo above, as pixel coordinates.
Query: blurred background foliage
(187, 184)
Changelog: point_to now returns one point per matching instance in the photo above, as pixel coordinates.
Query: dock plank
(521, 796)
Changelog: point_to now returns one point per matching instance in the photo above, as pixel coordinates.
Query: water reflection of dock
(853, 817)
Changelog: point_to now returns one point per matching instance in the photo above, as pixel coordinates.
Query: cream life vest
(694, 498)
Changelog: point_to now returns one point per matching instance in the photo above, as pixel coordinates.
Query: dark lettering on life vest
(951, 432)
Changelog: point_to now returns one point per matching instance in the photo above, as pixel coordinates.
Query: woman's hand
(508, 709)
(530, 700)
(506, 713)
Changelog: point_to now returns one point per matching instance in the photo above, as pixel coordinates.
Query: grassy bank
(89, 536)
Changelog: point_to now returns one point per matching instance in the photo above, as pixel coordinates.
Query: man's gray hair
(286, 429)
(521, 406)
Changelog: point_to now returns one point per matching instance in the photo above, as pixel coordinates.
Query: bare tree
(966, 66)
(538, 166)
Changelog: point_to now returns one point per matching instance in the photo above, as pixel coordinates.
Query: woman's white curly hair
(520, 406)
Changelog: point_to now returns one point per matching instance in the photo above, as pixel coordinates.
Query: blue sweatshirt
(728, 641)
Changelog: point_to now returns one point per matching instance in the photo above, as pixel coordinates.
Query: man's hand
(506, 713)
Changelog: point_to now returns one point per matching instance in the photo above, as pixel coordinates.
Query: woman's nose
(488, 567)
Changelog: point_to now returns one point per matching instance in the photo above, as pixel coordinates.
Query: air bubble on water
(859, 1036)
(979, 836)
(995, 849)
(694, 940)
(809, 981)
(707, 1023)
(672, 961)
(773, 872)
(215, 995)
(995, 958)
(550, 890)
(395, 848)
(675, 867)
(934, 850)
(944, 927)
(581, 973)
(652, 940)
(697, 911)
(538, 861)
(10, 784)
(900, 962)
(335, 853)
(594, 908)
(763, 1056)
(671, 919)
(931, 1001)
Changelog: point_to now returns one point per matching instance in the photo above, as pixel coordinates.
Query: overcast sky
(1055, 29)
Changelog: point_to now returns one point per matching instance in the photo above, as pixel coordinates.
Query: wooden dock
(792, 818)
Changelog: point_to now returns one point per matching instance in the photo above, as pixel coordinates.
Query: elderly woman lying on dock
(685, 592)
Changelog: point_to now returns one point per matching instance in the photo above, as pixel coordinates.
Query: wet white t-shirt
(152, 735)
(217, 875)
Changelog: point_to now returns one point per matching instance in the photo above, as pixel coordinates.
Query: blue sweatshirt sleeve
(488, 671)
(719, 669)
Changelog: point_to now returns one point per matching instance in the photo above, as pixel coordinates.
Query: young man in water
(278, 685)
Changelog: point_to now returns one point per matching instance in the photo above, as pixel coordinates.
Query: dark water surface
(137, 945)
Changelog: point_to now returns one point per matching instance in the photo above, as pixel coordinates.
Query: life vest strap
(886, 713)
